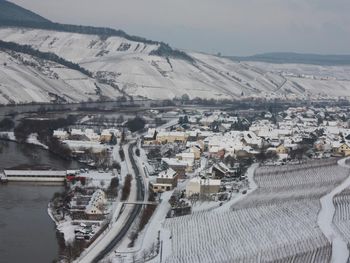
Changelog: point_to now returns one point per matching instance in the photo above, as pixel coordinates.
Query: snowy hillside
(129, 66)
(24, 79)
(315, 79)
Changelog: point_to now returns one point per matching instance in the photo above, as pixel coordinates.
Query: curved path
(252, 187)
(121, 227)
(340, 252)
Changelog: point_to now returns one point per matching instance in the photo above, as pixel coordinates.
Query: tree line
(44, 129)
(26, 49)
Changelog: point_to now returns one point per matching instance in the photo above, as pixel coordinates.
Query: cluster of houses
(90, 206)
(79, 140)
(216, 136)
(105, 136)
(328, 129)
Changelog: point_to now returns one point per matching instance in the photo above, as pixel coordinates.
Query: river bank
(23, 208)
(24, 219)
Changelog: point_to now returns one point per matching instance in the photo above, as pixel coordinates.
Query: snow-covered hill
(26, 79)
(129, 66)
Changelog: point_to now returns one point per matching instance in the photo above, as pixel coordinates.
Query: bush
(44, 129)
(113, 187)
(147, 213)
(116, 165)
(6, 124)
(136, 124)
(122, 154)
(127, 187)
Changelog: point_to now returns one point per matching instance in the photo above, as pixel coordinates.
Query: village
(201, 158)
(195, 161)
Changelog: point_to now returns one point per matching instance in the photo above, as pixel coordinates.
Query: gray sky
(232, 27)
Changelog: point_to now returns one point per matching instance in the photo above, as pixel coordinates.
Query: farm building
(202, 186)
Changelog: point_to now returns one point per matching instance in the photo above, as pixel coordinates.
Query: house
(217, 152)
(166, 181)
(77, 132)
(322, 144)
(106, 136)
(196, 152)
(202, 186)
(188, 157)
(281, 149)
(171, 137)
(197, 144)
(150, 137)
(243, 153)
(181, 167)
(343, 149)
(220, 170)
(91, 135)
(95, 209)
(251, 139)
(60, 134)
(167, 177)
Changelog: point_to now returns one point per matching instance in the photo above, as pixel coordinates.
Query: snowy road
(120, 221)
(340, 252)
(252, 187)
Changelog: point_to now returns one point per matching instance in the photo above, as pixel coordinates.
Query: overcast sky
(232, 27)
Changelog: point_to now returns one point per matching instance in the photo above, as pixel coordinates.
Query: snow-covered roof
(44, 173)
(170, 173)
(59, 133)
(174, 162)
(206, 181)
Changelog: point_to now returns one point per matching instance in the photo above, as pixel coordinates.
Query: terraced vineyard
(342, 214)
(296, 183)
(267, 233)
(275, 223)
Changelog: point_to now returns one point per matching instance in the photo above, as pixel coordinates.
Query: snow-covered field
(342, 213)
(340, 207)
(129, 66)
(317, 71)
(264, 233)
(278, 222)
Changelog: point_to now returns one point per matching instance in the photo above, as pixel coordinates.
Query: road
(121, 227)
(140, 195)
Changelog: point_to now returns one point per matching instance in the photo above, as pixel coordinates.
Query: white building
(60, 134)
(202, 186)
(97, 201)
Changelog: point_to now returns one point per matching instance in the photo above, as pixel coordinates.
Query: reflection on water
(13, 154)
(27, 233)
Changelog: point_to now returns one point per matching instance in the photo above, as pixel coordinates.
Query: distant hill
(297, 58)
(46, 62)
(14, 15)
(12, 12)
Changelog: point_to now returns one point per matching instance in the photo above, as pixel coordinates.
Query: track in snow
(340, 252)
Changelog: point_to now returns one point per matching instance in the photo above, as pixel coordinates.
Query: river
(27, 233)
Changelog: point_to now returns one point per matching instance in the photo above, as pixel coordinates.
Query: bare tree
(133, 258)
